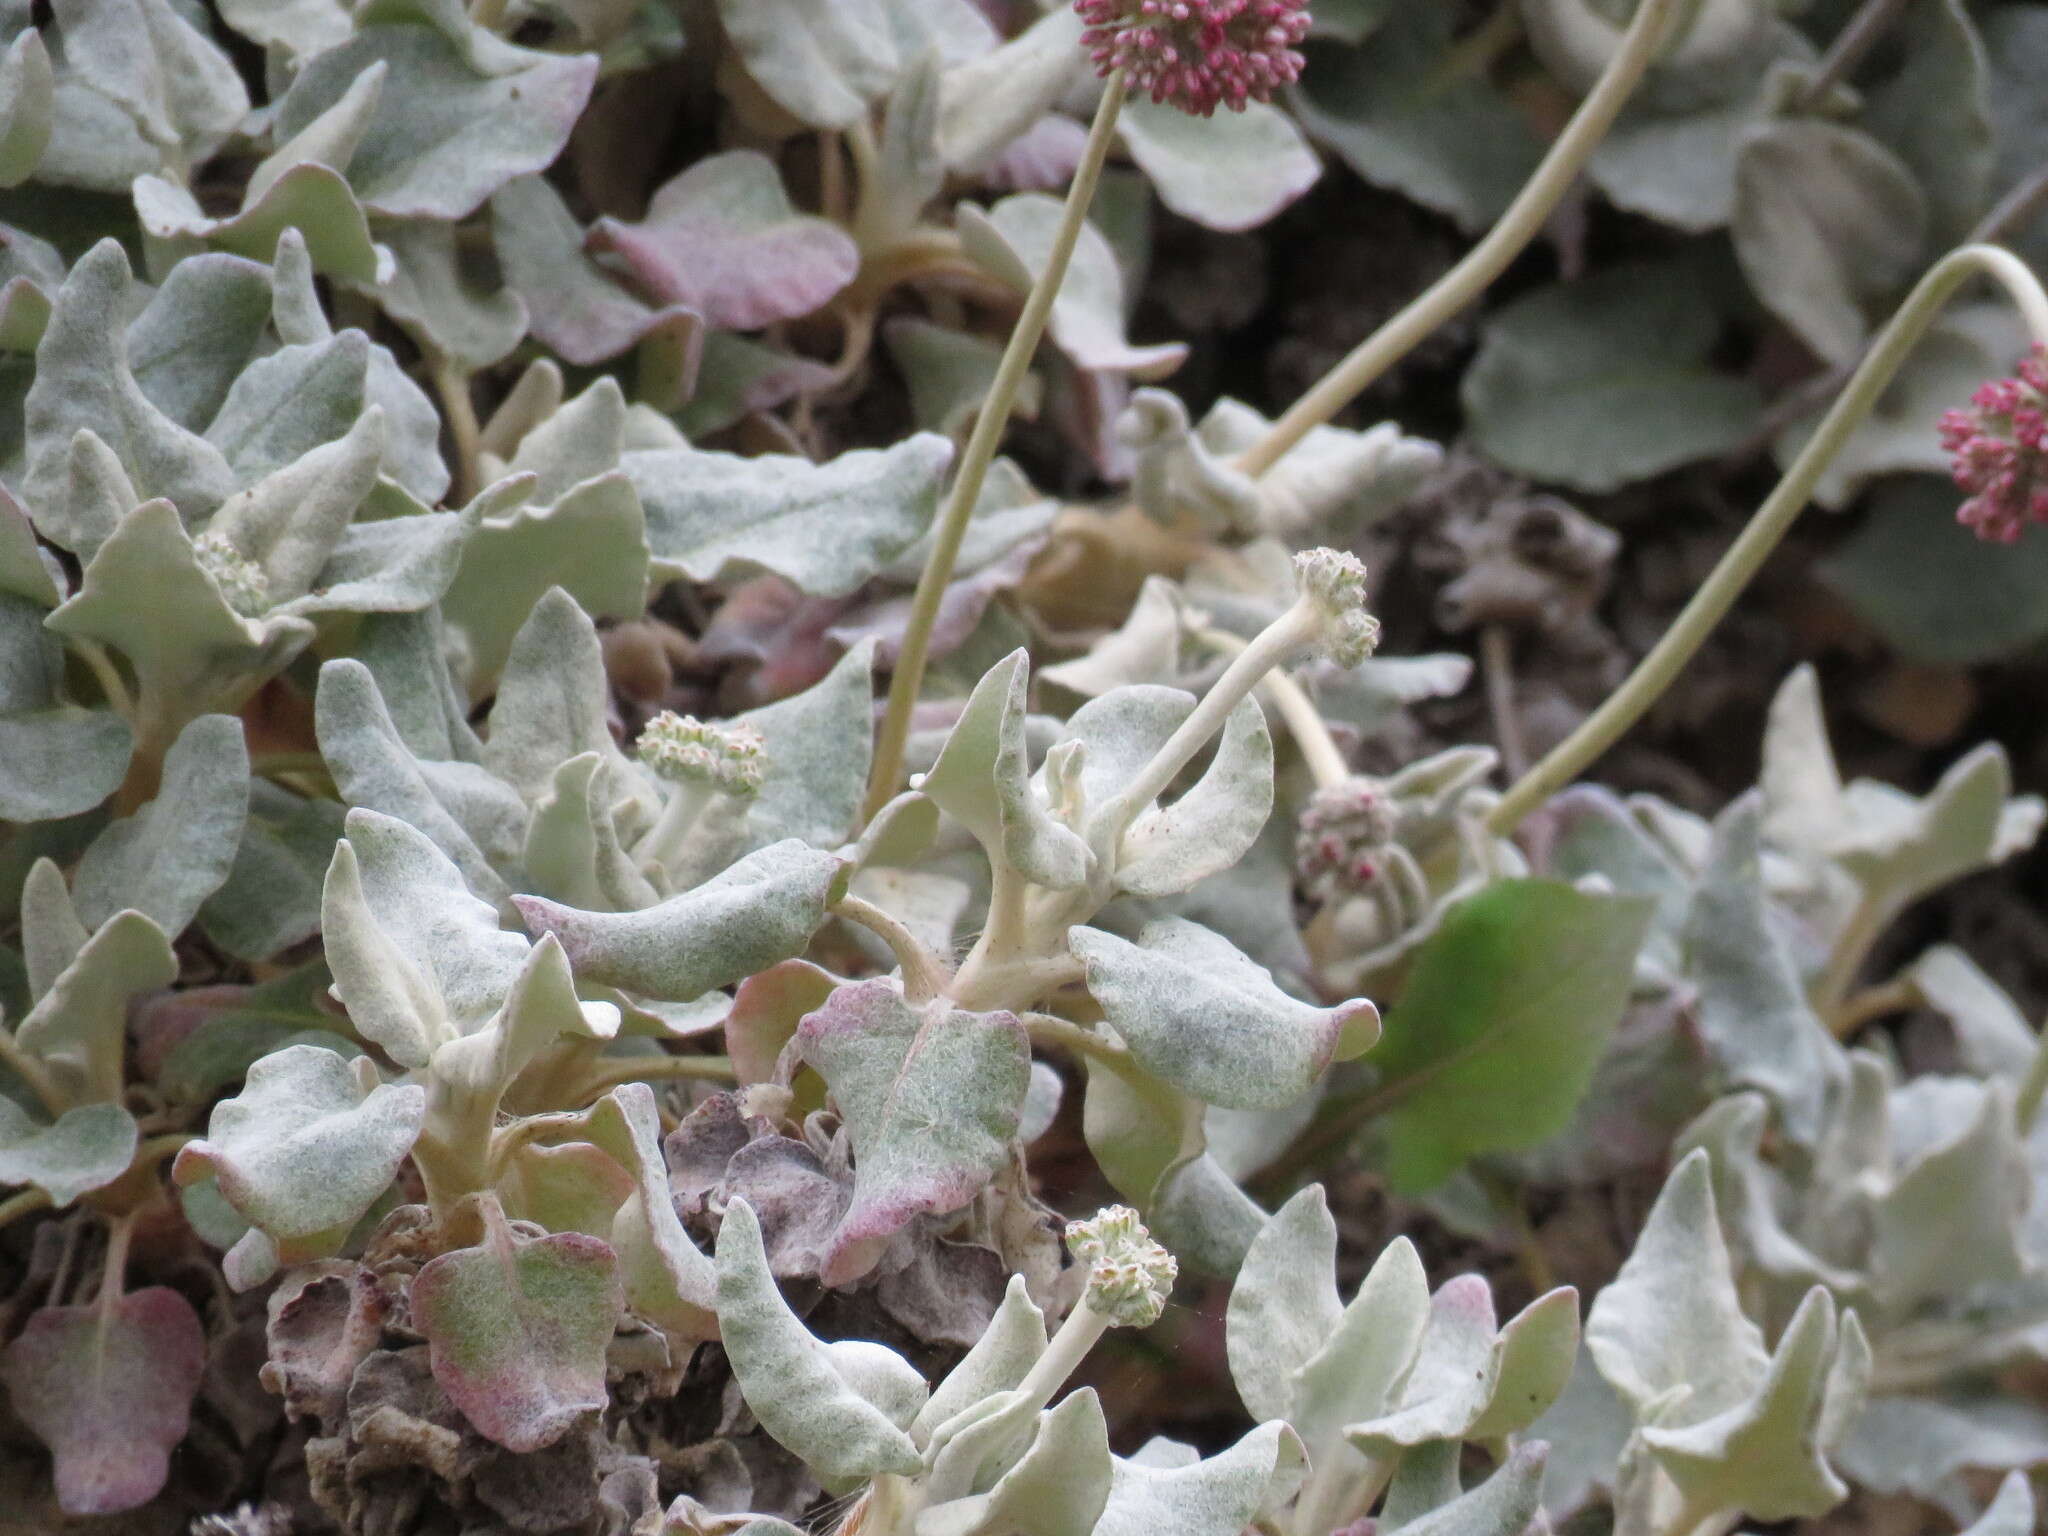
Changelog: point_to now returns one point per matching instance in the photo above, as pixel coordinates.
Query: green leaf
(89, 1147)
(27, 99)
(1216, 1497)
(799, 1388)
(999, 1361)
(1232, 171)
(109, 1389)
(56, 759)
(1198, 1014)
(432, 296)
(828, 528)
(668, 1281)
(151, 71)
(1505, 1015)
(291, 402)
(167, 858)
(314, 200)
(819, 743)
(462, 113)
(78, 1027)
(199, 330)
(1284, 1308)
(551, 699)
(1594, 383)
(1935, 115)
(930, 1095)
(724, 240)
(306, 1147)
(1058, 1487)
(517, 1329)
(763, 909)
(1508, 1502)
(823, 62)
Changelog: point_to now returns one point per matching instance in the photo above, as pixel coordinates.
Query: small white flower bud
(1129, 1275)
(241, 580)
(731, 758)
(1335, 583)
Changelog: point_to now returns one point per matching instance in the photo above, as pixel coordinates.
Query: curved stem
(649, 1069)
(1304, 721)
(1520, 224)
(25, 1203)
(451, 382)
(924, 978)
(908, 679)
(31, 1071)
(1628, 703)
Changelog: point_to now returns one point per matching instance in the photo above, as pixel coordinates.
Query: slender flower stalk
(908, 679)
(1520, 224)
(1656, 672)
(1129, 1279)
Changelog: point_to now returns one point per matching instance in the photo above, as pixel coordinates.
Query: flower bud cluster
(241, 580)
(1335, 583)
(1341, 843)
(1198, 54)
(1129, 1275)
(1999, 447)
(731, 758)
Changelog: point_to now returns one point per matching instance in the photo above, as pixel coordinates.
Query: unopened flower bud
(1129, 1275)
(1340, 847)
(1198, 54)
(1999, 449)
(1335, 583)
(731, 758)
(241, 580)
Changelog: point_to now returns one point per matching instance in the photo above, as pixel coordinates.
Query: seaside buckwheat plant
(820, 766)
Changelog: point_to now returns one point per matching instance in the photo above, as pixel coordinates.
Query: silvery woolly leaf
(982, 779)
(763, 909)
(27, 97)
(1753, 1014)
(56, 759)
(1935, 115)
(1923, 1444)
(822, 63)
(109, 1388)
(1594, 383)
(299, 27)
(431, 296)
(89, 1146)
(1284, 1308)
(766, 1009)
(1233, 171)
(1335, 481)
(199, 330)
(724, 240)
(1451, 142)
(1767, 1455)
(1198, 1014)
(408, 656)
(1013, 240)
(1058, 1487)
(998, 1362)
(1902, 849)
(828, 528)
(574, 306)
(819, 743)
(1472, 1381)
(306, 1147)
(930, 1095)
(1507, 1503)
(517, 1327)
(270, 900)
(462, 113)
(1146, 649)
(1827, 221)
(987, 103)
(795, 1385)
(78, 1028)
(390, 565)
(173, 853)
(181, 93)
(291, 402)
(737, 377)
(551, 699)
(475, 819)
(418, 961)
(30, 271)
(949, 373)
(83, 380)
(1668, 1332)
(312, 199)
(573, 852)
(290, 523)
(591, 541)
(1951, 1221)
(1201, 1215)
(668, 1280)
(1993, 1036)
(1215, 1497)
(1507, 1010)
(2010, 1513)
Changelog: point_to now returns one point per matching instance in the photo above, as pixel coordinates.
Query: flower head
(2000, 450)
(730, 757)
(1335, 583)
(1340, 846)
(241, 580)
(1129, 1275)
(1198, 54)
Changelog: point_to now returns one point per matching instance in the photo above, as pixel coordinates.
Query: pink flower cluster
(1198, 54)
(2000, 451)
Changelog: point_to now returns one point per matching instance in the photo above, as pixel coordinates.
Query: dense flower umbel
(1129, 1275)
(725, 757)
(2000, 448)
(1341, 846)
(1198, 54)
(1335, 583)
(240, 579)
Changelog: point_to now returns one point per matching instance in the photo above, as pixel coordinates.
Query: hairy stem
(451, 382)
(908, 679)
(924, 977)
(650, 1069)
(1523, 221)
(1628, 703)
(1069, 1347)
(1296, 709)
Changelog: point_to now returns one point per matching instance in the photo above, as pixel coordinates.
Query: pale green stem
(102, 667)
(2027, 1102)
(994, 417)
(924, 977)
(451, 382)
(25, 1203)
(32, 1072)
(1606, 725)
(649, 1069)
(1304, 721)
(1069, 1347)
(114, 1274)
(665, 840)
(1521, 223)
